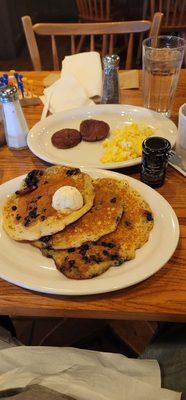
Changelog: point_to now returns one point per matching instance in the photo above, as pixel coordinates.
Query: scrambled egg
(125, 143)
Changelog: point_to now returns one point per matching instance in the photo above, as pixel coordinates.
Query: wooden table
(161, 297)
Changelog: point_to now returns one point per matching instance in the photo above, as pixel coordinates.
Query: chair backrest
(93, 10)
(174, 13)
(91, 29)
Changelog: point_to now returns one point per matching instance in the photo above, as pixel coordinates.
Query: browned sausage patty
(66, 138)
(93, 130)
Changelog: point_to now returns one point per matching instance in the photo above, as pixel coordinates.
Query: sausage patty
(66, 138)
(93, 130)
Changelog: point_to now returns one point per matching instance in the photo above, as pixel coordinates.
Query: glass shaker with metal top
(16, 128)
(110, 93)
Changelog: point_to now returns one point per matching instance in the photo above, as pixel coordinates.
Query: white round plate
(87, 154)
(25, 266)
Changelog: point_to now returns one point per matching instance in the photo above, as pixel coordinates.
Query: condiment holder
(24, 86)
(15, 125)
(155, 154)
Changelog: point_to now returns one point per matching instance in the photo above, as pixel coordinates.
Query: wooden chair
(174, 19)
(93, 10)
(174, 13)
(91, 29)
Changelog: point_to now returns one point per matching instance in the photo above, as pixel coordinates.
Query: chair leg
(104, 45)
(111, 44)
(139, 52)
(128, 63)
(136, 334)
(80, 44)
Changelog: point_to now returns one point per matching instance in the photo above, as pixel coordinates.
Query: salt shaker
(110, 93)
(16, 128)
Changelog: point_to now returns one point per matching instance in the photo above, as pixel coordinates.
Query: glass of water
(162, 60)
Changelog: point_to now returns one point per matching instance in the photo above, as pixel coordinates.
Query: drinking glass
(162, 60)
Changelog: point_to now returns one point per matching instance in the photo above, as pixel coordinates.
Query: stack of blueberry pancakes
(86, 225)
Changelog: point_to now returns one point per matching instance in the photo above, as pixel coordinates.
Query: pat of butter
(67, 199)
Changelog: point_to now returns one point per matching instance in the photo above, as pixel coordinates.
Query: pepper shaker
(15, 125)
(110, 93)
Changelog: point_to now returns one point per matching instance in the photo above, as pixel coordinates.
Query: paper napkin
(178, 169)
(86, 68)
(81, 79)
(66, 93)
(82, 374)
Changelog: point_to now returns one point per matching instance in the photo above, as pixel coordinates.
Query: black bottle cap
(156, 145)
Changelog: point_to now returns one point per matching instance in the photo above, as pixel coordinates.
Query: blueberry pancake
(100, 220)
(93, 258)
(28, 214)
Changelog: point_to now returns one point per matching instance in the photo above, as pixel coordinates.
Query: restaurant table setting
(84, 78)
(70, 100)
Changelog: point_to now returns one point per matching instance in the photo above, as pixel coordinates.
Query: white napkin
(83, 374)
(86, 67)
(81, 78)
(66, 93)
(178, 169)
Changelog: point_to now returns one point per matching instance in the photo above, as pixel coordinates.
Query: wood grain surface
(161, 297)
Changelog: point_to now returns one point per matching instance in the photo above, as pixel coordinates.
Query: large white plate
(25, 266)
(88, 154)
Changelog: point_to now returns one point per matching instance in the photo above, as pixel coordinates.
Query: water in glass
(161, 67)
